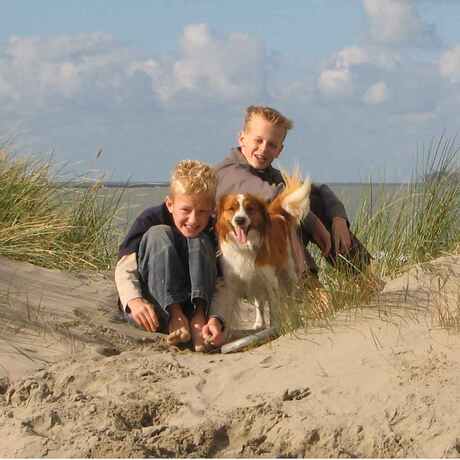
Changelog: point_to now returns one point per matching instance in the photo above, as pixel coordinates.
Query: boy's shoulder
(154, 215)
(234, 158)
(158, 212)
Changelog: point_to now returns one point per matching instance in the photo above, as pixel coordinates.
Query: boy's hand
(341, 235)
(321, 236)
(212, 332)
(144, 314)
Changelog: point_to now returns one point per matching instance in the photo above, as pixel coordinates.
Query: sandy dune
(380, 381)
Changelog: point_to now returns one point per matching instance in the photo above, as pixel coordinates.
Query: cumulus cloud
(335, 82)
(39, 72)
(229, 68)
(376, 94)
(398, 22)
(352, 69)
(449, 64)
(364, 75)
(36, 72)
(353, 55)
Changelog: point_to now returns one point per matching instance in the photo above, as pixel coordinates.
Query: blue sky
(368, 83)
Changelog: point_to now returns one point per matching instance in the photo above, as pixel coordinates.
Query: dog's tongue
(241, 235)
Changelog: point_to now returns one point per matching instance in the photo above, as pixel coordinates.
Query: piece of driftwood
(250, 341)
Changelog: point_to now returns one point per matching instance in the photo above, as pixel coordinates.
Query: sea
(135, 198)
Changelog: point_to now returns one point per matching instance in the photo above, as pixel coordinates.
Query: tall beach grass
(421, 221)
(50, 225)
(414, 225)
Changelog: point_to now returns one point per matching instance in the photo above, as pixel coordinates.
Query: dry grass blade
(42, 223)
(418, 223)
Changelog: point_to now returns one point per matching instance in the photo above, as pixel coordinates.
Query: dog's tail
(294, 199)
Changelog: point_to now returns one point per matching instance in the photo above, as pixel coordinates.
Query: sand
(376, 382)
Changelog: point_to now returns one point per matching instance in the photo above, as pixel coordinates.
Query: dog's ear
(220, 204)
(220, 225)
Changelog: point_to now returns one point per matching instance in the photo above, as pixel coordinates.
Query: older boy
(248, 169)
(166, 272)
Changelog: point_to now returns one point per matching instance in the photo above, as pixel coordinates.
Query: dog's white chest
(244, 277)
(237, 263)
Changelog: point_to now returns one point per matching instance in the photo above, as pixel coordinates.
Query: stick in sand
(254, 339)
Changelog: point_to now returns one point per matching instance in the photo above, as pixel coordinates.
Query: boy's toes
(184, 334)
(180, 335)
(173, 337)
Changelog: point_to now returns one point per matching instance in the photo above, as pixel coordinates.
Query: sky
(369, 84)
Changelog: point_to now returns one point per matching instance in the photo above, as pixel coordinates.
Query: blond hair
(193, 176)
(267, 113)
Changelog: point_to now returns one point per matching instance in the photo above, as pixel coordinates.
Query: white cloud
(38, 72)
(449, 64)
(376, 94)
(337, 79)
(41, 72)
(352, 68)
(229, 68)
(397, 22)
(335, 82)
(351, 56)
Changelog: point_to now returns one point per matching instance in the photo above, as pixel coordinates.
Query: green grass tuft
(417, 224)
(52, 225)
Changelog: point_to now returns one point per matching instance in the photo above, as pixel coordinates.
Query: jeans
(174, 269)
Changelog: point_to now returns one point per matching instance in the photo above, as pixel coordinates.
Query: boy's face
(190, 212)
(261, 142)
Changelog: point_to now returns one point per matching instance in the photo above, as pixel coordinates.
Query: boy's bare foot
(179, 329)
(196, 324)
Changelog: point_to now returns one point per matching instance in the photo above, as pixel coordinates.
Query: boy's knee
(158, 233)
(202, 244)
(156, 239)
(206, 243)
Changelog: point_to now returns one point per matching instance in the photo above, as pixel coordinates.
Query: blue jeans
(176, 270)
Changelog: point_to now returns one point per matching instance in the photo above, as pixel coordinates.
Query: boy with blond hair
(248, 169)
(166, 272)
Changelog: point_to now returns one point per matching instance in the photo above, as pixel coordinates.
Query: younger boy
(166, 271)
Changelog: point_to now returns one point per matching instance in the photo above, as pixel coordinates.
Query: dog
(261, 255)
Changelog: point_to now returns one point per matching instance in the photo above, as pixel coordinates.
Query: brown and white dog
(261, 253)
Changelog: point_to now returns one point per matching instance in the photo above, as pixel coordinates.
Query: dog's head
(242, 219)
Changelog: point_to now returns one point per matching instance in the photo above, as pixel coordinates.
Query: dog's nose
(240, 220)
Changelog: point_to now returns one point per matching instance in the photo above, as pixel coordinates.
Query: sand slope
(381, 381)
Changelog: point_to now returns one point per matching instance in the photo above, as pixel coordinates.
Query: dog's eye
(251, 209)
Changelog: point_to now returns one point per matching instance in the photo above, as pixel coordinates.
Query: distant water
(136, 199)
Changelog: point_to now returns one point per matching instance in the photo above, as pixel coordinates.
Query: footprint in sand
(181, 335)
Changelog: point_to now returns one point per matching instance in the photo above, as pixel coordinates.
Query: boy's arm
(332, 205)
(312, 227)
(130, 293)
(127, 279)
(335, 210)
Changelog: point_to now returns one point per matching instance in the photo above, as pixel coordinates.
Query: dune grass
(414, 225)
(52, 225)
(420, 222)
(72, 228)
